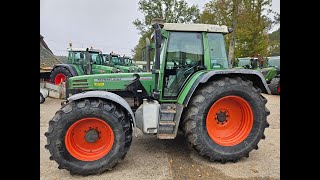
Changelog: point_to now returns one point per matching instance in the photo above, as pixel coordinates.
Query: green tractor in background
(128, 62)
(272, 74)
(271, 71)
(80, 61)
(190, 87)
(248, 63)
(119, 62)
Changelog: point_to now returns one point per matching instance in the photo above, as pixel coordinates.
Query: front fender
(108, 96)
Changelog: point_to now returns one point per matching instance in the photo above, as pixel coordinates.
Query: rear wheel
(89, 136)
(226, 119)
(59, 74)
(274, 86)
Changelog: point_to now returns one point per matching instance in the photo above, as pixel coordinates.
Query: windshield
(274, 62)
(218, 55)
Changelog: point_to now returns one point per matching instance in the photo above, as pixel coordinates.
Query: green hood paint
(110, 82)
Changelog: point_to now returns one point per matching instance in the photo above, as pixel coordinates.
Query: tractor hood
(111, 82)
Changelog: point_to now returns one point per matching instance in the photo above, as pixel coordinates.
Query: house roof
(44, 44)
(47, 58)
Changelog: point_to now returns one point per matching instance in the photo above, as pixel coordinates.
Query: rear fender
(255, 76)
(70, 67)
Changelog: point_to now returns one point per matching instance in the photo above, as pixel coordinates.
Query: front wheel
(89, 136)
(226, 119)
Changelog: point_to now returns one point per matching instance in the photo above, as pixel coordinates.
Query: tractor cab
(249, 63)
(187, 50)
(128, 62)
(124, 64)
(89, 61)
(274, 61)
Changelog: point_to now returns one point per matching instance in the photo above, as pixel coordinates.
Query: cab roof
(83, 49)
(195, 27)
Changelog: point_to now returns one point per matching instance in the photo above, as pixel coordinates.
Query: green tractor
(272, 74)
(119, 62)
(190, 88)
(248, 63)
(128, 62)
(80, 62)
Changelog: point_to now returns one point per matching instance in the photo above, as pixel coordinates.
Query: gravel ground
(150, 158)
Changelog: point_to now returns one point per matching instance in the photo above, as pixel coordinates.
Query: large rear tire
(274, 86)
(226, 119)
(59, 74)
(89, 136)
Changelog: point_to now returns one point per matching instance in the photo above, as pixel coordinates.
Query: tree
(172, 11)
(223, 12)
(274, 43)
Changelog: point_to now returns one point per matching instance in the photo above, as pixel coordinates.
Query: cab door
(183, 56)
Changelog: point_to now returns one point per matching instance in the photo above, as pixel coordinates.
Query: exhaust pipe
(148, 54)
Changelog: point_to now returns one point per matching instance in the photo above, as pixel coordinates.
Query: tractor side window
(78, 56)
(218, 55)
(116, 60)
(184, 54)
(95, 58)
(105, 59)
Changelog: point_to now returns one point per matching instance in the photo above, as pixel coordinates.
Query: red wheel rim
(229, 121)
(59, 78)
(89, 139)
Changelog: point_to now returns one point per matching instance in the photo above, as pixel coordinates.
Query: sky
(103, 24)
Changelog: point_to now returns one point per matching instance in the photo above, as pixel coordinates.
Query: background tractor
(124, 64)
(128, 62)
(80, 62)
(248, 63)
(220, 110)
(272, 74)
(271, 71)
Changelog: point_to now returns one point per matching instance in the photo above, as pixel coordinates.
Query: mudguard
(255, 76)
(70, 67)
(109, 96)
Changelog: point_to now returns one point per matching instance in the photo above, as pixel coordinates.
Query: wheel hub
(92, 136)
(222, 116)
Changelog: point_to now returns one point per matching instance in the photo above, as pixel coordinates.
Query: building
(47, 60)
